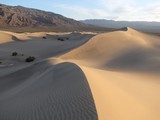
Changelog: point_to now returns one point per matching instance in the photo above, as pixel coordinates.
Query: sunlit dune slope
(124, 96)
(7, 37)
(119, 50)
(122, 69)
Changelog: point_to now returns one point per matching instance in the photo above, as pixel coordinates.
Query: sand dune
(125, 96)
(48, 92)
(44, 48)
(7, 37)
(131, 91)
(121, 67)
(119, 50)
(41, 90)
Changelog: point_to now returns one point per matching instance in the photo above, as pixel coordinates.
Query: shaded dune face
(140, 59)
(119, 50)
(46, 92)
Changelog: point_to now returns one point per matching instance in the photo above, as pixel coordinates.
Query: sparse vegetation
(14, 54)
(30, 59)
(124, 29)
(60, 39)
(44, 37)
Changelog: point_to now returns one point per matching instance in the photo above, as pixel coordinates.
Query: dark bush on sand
(14, 54)
(124, 29)
(30, 59)
(44, 38)
(60, 39)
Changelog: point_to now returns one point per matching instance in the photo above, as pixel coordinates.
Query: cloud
(133, 10)
(155, 10)
(82, 12)
(152, 13)
(114, 4)
(118, 6)
(130, 10)
(124, 10)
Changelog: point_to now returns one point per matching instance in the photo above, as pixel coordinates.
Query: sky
(128, 10)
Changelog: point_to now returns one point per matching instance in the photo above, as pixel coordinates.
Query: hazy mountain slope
(21, 16)
(22, 19)
(141, 25)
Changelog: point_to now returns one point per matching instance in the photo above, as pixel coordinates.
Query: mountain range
(139, 25)
(21, 16)
(22, 19)
(18, 16)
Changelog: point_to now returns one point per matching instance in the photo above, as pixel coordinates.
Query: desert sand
(104, 76)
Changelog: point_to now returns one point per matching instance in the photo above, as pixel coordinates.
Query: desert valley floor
(80, 76)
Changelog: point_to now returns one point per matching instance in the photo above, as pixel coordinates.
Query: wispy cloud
(131, 10)
(83, 12)
(111, 4)
(136, 10)
(152, 13)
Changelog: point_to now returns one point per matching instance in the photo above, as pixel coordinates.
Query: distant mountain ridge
(22, 19)
(139, 25)
(22, 16)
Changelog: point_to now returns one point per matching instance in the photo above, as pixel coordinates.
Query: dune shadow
(14, 38)
(46, 91)
(140, 59)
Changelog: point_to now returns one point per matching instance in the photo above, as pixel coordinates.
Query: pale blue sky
(131, 10)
